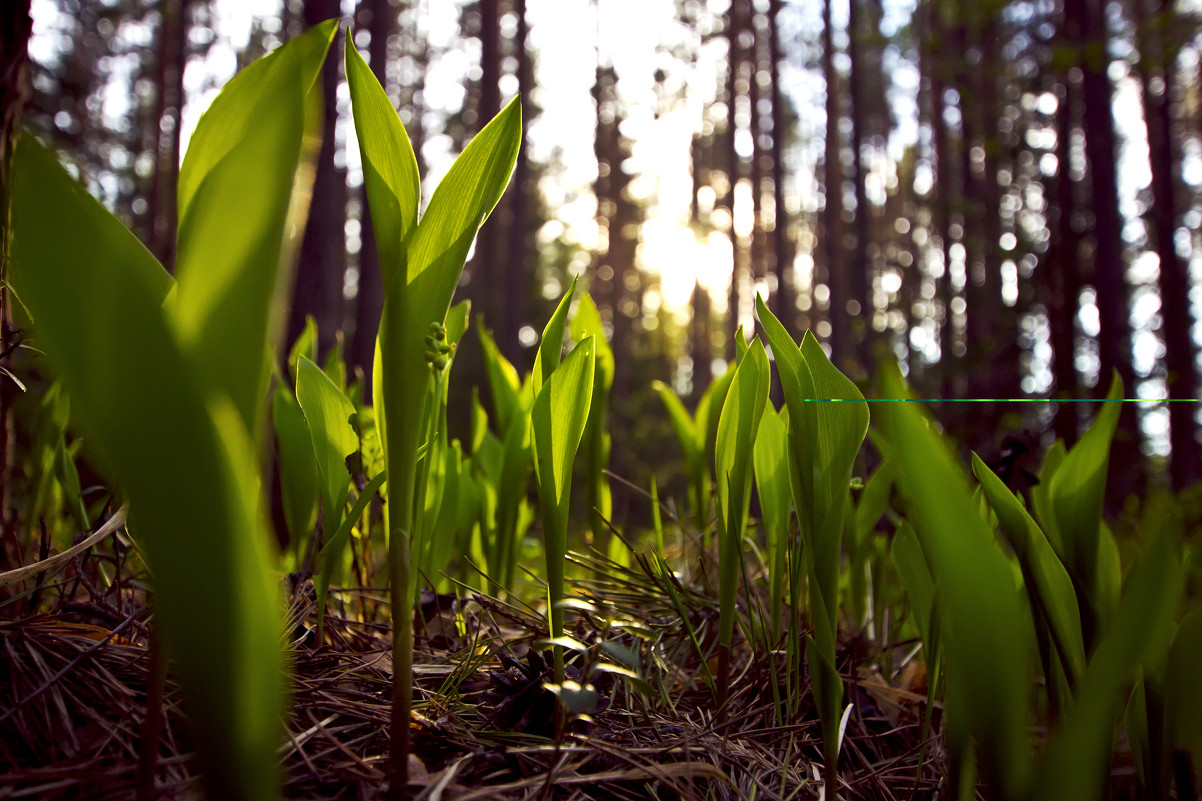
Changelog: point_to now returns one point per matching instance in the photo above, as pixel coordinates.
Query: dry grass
(73, 690)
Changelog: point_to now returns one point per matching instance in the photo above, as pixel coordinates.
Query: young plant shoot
(420, 262)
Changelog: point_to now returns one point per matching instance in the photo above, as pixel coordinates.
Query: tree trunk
(322, 265)
(861, 271)
(1157, 59)
(832, 216)
(783, 300)
(518, 266)
(1114, 340)
(15, 29)
(173, 56)
(1064, 278)
(484, 267)
(735, 25)
(944, 195)
(369, 303)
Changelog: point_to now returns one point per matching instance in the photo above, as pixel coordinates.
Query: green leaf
(1048, 585)
(390, 175)
(1076, 495)
(586, 322)
(305, 345)
(984, 638)
(1075, 764)
(596, 444)
(733, 457)
(234, 232)
(551, 346)
(182, 454)
(916, 578)
(557, 421)
(300, 484)
(329, 414)
(558, 418)
(682, 423)
(776, 503)
(503, 379)
(1183, 688)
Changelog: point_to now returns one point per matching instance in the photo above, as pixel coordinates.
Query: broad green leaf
(1075, 764)
(300, 484)
(305, 345)
(183, 456)
(596, 444)
(390, 175)
(1048, 585)
(557, 421)
(1184, 723)
(984, 638)
(550, 347)
(329, 414)
(776, 502)
(916, 578)
(682, 423)
(1076, 495)
(558, 418)
(709, 410)
(586, 322)
(1041, 497)
(733, 458)
(231, 294)
(503, 379)
(873, 502)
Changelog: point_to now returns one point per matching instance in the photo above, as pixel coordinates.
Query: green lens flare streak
(1005, 400)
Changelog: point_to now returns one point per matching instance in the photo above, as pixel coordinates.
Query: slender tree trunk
(861, 271)
(1064, 278)
(944, 195)
(832, 216)
(369, 303)
(1000, 354)
(735, 25)
(485, 278)
(518, 266)
(322, 265)
(1157, 59)
(16, 27)
(1101, 152)
(784, 300)
(173, 56)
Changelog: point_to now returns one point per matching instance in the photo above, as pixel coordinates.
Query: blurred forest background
(1005, 196)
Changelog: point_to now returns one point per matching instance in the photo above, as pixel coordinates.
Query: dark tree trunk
(860, 272)
(1005, 379)
(518, 266)
(700, 344)
(1064, 278)
(484, 268)
(736, 23)
(1114, 340)
(981, 305)
(320, 271)
(173, 55)
(783, 300)
(369, 303)
(15, 29)
(1157, 59)
(933, 51)
(832, 216)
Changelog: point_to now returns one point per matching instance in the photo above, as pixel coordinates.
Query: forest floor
(74, 679)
